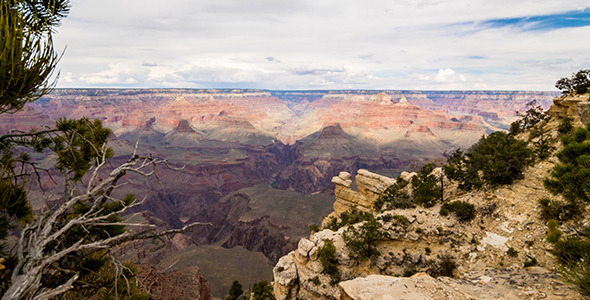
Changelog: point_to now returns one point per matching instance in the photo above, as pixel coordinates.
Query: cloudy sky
(324, 44)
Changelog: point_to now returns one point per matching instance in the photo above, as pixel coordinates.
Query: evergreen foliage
(235, 291)
(559, 210)
(28, 59)
(531, 117)
(573, 255)
(496, 159)
(565, 126)
(570, 177)
(579, 83)
(329, 260)
(463, 211)
(394, 197)
(425, 189)
(349, 217)
(262, 290)
(459, 169)
(362, 242)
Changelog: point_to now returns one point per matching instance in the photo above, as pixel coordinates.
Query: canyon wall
(237, 147)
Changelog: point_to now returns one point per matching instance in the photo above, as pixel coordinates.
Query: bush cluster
(558, 210)
(329, 260)
(349, 217)
(579, 83)
(445, 266)
(362, 242)
(262, 290)
(533, 115)
(565, 126)
(463, 211)
(394, 197)
(573, 256)
(425, 191)
(570, 176)
(496, 159)
(425, 188)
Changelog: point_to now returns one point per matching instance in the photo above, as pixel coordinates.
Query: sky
(323, 44)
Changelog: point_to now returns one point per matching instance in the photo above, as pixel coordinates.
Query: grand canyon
(257, 164)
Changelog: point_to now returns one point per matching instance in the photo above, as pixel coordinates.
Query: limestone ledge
(369, 187)
(572, 106)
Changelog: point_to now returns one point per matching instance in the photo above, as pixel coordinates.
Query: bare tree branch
(54, 226)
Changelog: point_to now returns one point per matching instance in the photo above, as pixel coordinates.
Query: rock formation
(501, 254)
(508, 219)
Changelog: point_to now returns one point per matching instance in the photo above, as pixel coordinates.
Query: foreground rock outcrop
(506, 235)
(485, 284)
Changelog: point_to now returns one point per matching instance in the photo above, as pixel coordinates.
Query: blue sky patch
(576, 18)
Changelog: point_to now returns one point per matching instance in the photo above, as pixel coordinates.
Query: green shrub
(398, 220)
(445, 266)
(544, 146)
(425, 188)
(349, 217)
(401, 221)
(458, 169)
(515, 127)
(329, 260)
(394, 197)
(557, 210)
(262, 290)
(511, 252)
(565, 126)
(235, 291)
(553, 232)
(579, 83)
(463, 211)
(315, 280)
(496, 159)
(570, 176)
(533, 115)
(571, 249)
(362, 242)
(314, 228)
(501, 158)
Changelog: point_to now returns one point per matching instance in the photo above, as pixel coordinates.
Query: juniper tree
(569, 178)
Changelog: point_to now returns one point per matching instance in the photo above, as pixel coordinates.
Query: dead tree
(37, 252)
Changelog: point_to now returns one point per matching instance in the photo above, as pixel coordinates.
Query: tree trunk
(24, 287)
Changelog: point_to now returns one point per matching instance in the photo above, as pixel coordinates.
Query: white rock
(285, 272)
(304, 247)
(344, 175)
(495, 240)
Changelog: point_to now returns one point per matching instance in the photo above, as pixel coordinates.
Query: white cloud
(448, 75)
(372, 44)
